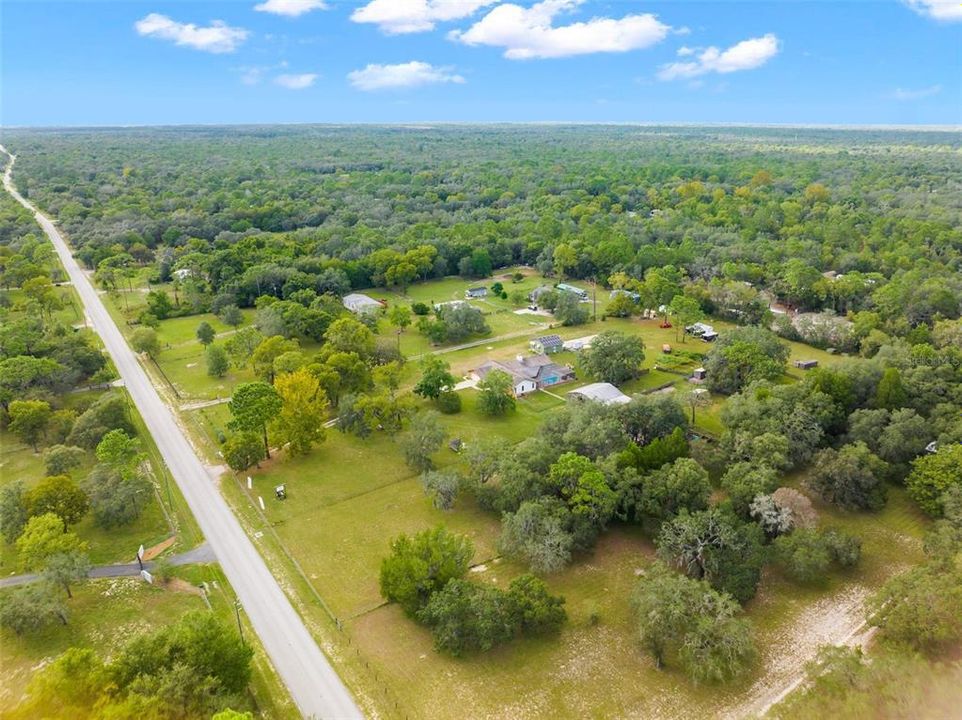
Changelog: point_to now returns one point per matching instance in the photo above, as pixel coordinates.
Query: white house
(359, 303)
(602, 392)
(527, 373)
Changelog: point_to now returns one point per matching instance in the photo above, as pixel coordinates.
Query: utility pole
(594, 298)
(240, 626)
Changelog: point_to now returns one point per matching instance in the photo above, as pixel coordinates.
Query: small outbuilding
(582, 343)
(699, 373)
(576, 291)
(475, 293)
(602, 392)
(535, 295)
(359, 303)
(806, 364)
(631, 294)
(700, 330)
(547, 344)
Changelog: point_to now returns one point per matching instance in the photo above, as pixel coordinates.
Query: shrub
(441, 487)
(421, 565)
(449, 402)
(845, 549)
(804, 555)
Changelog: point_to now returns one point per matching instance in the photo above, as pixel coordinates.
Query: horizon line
(927, 127)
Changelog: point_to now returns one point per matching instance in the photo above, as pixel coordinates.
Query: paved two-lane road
(312, 682)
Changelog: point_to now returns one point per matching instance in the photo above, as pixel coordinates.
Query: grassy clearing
(104, 614)
(20, 463)
(350, 497)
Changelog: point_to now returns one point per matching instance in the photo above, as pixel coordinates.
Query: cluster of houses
(539, 372)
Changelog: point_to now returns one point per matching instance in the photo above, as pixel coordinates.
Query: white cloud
(290, 8)
(253, 74)
(296, 82)
(684, 51)
(396, 17)
(904, 95)
(529, 33)
(941, 10)
(402, 75)
(746, 55)
(218, 37)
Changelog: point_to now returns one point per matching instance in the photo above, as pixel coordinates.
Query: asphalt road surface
(312, 682)
(200, 554)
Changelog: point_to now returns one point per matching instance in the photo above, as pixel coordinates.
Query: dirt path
(838, 619)
(482, 341)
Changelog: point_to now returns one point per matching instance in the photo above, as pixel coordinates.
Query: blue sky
(132, 62)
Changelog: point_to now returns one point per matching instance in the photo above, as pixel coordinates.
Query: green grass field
(349, 497)
(21, 463)
(103, 615)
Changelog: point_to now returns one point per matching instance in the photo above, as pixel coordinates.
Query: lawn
(104, 614)
(185, 366)
(349, 497)
(595, 668)
(21, 463)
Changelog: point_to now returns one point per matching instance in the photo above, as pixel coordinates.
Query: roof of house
(478, 291)
(571, 288)
(602, 392)
(579, 343)
(522, 368)
(701, 327)
(549, 341)
(356, 300)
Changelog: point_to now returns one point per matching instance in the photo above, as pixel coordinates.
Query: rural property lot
(350, 497)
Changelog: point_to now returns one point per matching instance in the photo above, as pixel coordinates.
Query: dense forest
(258, 210)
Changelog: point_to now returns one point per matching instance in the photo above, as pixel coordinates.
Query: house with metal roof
(527, 374)
(547, 345)
(565, 287)
(359, 303)
(632, 295)
(536, 294)
(602, 392)
(476, 292)
(701, 330)
(582, 343)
